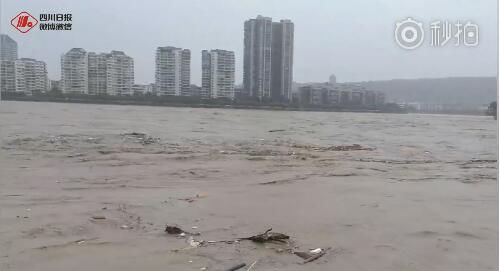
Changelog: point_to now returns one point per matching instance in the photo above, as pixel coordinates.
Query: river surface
(91, 187)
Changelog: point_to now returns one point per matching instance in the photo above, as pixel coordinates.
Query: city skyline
(98, 84)
(268, 73)
(326, 41)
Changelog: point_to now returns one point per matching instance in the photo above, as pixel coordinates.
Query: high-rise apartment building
(31, 76)
(173, 71)
(120, 74)
(217, 74)
(7, 76)
(257, 57)
(8, 48)
(282, 61)
(8, 55)
(74, 71)
(97, 73)
(268, 59)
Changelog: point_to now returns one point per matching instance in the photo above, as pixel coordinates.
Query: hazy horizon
(354, 41)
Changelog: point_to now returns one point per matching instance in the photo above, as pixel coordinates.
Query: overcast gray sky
(353, 39)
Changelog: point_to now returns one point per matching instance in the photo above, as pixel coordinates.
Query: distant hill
(453, 90)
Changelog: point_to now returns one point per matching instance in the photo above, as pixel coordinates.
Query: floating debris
(288, 180)
(75, 155)
(193, 243)
(150, 140)
(137, 134)
(302, 254)
(143, 138)
(312, 255)
(316, 251)
(193, 199)
(57, 139)
(105, 151)
(268, 236)
(172, 229)
(353, 147)
(236, 267)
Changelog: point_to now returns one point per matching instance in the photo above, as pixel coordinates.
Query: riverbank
(195, 103)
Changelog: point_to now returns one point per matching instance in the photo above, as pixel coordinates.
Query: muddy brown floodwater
(91, 187)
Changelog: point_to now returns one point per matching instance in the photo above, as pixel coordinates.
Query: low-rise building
(138, 89)
(54, 85)
(380, 98)
(151, 89)
(313, 95)
(334, 96)
(370, 98)
(339, 94)
(195, 91)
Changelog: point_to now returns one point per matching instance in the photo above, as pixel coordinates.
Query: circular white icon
(409, 34)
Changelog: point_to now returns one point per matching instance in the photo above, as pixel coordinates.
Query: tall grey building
(268, 59)
(282, 61)
(257, 57)
(173, 71)
(8, 55)
(74, 71)
(217, 74)
(31, 76)
(8, 48)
